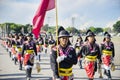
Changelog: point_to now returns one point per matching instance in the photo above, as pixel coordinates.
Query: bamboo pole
(56, 25)
(57, 31)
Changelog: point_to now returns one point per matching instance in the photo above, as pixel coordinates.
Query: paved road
(9, 71)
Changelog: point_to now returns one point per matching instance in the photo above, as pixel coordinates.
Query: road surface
(9, 71)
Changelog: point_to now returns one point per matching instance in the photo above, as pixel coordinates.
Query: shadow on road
(17, 74)
(33, 78)
(14, 79)
(22, 77)
(85, 78)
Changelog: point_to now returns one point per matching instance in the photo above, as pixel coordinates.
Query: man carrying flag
(62, 61)
(38, 19)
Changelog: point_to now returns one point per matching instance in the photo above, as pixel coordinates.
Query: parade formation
(24, 50)
(57, 49)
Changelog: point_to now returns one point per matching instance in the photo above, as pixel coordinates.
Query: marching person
(51, 42)
(28, 50)
(21, 38)
(108, 53)
(72, 38)
(46, 43)
(14, 44)
(62, 62)
(91, 52)
(19, 50)
(78, 44)
(39, 44)
(9, 41)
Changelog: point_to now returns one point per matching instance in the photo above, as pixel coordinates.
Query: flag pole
(56, 24)
(56, 13)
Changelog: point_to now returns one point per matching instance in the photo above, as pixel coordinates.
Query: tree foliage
(72, 30)
(52, 29)
(45, 27)
(13, 27)
(108, 29)
(96, 30)
(93, 29)
(116, 27)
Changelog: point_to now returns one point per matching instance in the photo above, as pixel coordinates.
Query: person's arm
(54, 64)
(113, 51)
(80, 53)
(102, 47)
(71, 58)
(23, 49)
(35, 49)
(75, 45)
(99, 54)
(42, 41)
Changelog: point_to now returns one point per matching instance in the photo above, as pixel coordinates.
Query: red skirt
(13, 51)
(65, 78)
(19, 57)
(46, 45)
(38, 48)
(106, 59)
(26, 58)
(89, 67)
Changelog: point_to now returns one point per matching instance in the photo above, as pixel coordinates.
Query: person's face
(20, 37)
(15, 37)
(79, 39)
(39, 36)
(108, 39)
(91, 39)
(28, 37)
(63, 41)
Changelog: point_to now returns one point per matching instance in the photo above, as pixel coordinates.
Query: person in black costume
(28, 50)
(108, 54)
(62, 62)
(91, 52)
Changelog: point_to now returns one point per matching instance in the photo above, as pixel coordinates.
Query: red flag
(38, 19)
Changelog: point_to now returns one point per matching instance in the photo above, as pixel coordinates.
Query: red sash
(26, 58)
(38, 48)
(89, 67)
(106, 60)
(19, 57)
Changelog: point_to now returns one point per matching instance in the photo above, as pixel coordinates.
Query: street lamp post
(73, 21)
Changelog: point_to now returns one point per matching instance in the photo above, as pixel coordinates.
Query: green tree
(15, 27)
(52, 29)
(116, 27)
(108, 29)
(93, 29)
(27, 28)
(72, 30)
(98, 30)
(45, 27)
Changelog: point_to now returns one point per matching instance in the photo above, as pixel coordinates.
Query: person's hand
(58, 79)
(22, 58)
(36, 58)
(60, 58)
(112, 59)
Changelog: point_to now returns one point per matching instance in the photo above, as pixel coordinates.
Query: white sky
(98, 13)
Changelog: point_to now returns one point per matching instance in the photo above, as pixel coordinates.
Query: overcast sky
(86, 13)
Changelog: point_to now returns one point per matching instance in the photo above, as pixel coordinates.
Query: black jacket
(29, 46)
(87, 50)
(68, 62)
(108, 46)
